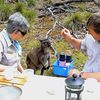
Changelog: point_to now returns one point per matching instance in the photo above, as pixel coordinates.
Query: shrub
(75, 20)
(31, 2)
(5, 11)
(29, 14)
(1, 1)
(19, 7)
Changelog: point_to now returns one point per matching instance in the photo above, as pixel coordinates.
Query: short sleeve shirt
(9, 55)
(92, 48)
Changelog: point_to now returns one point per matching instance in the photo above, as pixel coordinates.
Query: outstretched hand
(65, 32)
(74, 71)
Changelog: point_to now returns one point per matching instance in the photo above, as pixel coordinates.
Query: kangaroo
(39, 57)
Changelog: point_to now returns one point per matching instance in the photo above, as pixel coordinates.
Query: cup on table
(91, 85)
(28, 73)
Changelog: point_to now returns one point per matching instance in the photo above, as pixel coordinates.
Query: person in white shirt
(91, 45)
(10, 49)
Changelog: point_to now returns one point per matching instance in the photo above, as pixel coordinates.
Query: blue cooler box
(61, 70)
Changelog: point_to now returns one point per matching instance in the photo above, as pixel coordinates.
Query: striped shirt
(9, 53)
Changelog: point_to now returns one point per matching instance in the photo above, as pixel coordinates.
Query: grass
(7, 9)
(73, 21)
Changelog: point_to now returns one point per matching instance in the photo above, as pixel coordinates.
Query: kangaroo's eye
(45, 43)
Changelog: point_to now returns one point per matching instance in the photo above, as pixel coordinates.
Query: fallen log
(70, 1)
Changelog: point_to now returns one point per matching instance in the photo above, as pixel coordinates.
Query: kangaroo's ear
(40, 39)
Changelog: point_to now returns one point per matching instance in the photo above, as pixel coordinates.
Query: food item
(67, 64)
(15, 80)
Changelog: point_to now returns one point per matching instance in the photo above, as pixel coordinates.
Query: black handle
(74, 76)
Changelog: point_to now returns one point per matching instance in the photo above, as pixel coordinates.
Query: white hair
(17, 22)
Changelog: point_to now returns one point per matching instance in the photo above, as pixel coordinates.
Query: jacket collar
(6, 37)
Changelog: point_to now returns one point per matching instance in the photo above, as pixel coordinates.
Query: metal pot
(10, 92)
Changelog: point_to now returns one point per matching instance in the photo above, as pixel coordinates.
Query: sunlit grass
(74, 20)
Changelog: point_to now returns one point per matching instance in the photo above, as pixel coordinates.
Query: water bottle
(62, 59)
(68, 56)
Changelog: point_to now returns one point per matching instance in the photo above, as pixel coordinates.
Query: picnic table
(51, 88)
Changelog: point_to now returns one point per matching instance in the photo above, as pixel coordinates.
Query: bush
(75, 20)
(1, 1)
(5, 11)
(19, 7)
(29, 14)
(31, 2)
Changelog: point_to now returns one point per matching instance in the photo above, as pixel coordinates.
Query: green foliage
(31, 2)
(19, 7)
(74, 20)
(29, 14)
(79, 58)
(81, 6)
(82, 16)
(1, 1)
(31, 44)
(5, 11)
(61, 46)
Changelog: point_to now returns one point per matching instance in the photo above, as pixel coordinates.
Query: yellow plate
(15, 80)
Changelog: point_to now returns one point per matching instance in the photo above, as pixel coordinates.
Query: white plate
(10, 93)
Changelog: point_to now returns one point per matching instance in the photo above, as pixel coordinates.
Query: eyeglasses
(23, 33)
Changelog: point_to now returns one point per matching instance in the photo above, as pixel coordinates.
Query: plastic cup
(91, 85)
(28, 74)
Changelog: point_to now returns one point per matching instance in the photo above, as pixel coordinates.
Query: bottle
(68, 56)
(62, 59)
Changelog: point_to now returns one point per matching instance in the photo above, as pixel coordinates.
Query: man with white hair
(10, 49)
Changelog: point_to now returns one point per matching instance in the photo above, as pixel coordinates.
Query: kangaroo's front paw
(48, 67)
